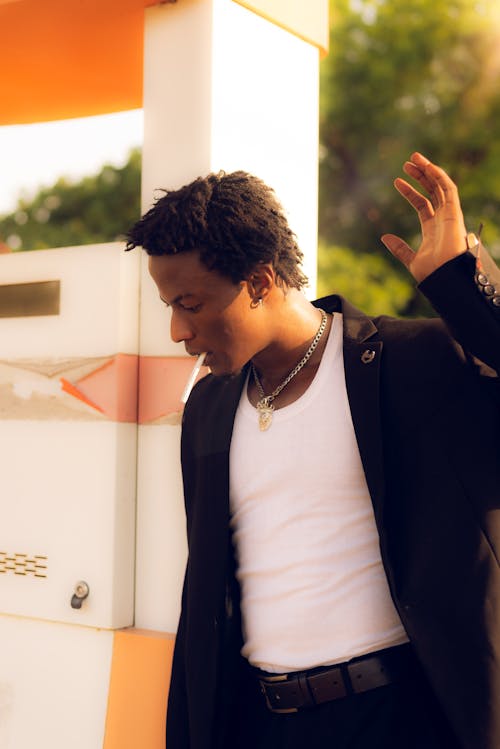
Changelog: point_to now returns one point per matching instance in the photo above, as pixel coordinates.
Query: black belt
(287, 693)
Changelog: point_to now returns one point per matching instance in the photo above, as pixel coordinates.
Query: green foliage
(99, 208)
(404, 76)
(366, 280)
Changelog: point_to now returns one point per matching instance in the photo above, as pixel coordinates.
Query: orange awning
(75, 58)
(70, 58)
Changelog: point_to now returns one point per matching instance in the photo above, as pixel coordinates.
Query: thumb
(399, 248)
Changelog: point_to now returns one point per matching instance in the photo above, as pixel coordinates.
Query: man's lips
(209, 355)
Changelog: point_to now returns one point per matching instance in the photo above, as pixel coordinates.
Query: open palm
(440, 215)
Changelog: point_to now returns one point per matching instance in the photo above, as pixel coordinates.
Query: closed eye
(178, 303)
(194, 308)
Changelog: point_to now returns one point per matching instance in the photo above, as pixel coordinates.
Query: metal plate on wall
(30, 299)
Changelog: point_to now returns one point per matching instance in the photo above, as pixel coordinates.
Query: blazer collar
(362, 361)
(357, 326)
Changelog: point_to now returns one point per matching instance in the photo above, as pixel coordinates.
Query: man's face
(209, 312)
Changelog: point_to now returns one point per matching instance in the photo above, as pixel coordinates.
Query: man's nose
(180, 330)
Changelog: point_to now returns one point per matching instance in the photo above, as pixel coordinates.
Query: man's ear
(261, 281)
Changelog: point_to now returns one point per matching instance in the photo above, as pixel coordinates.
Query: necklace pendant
(265, 411)
(265, 407)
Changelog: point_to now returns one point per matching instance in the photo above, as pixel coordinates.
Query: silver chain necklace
(265, 406)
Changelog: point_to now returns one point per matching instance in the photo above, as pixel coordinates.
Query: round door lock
(82, 591)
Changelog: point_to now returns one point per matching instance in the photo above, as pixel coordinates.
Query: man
(342, 484)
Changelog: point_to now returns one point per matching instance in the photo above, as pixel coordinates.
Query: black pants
(402, 715)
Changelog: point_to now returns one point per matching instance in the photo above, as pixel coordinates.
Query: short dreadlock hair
(234, 220)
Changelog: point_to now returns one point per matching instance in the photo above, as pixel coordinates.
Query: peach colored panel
(110, 389)
(113, 388)
(138, 690)
(161, 382)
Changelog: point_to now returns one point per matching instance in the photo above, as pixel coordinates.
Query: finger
(438, 178)
(434, 189)
(398, 248)
(418, 173)
(420, 203)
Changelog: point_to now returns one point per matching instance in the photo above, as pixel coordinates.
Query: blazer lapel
(362, 360)
(208, 531)
(213, 441)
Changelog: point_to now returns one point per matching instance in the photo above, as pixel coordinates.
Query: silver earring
(260, 301)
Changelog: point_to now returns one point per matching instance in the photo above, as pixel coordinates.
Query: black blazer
(426, 412)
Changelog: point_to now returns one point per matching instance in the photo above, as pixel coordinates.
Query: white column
(223, 89)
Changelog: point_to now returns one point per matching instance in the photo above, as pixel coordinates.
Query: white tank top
(314, 591)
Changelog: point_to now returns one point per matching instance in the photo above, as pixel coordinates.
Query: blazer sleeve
(465, 292)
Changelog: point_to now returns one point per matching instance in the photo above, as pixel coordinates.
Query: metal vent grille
(23, 564)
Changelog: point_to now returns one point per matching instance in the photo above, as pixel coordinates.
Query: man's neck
(297, 325)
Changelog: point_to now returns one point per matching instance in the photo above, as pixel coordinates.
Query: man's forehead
(183, 276)
(176, 267)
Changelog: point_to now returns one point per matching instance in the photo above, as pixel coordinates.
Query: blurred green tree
(371, 284)
(98, 208)
(419, 75)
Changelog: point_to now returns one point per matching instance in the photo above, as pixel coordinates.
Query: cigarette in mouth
(192, 377)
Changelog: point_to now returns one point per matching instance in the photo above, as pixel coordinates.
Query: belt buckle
(268, 682)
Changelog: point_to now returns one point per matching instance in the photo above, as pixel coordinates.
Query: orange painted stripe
(137, 702)
(69, 388)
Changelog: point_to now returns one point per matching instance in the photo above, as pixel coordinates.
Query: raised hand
(440, 215)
